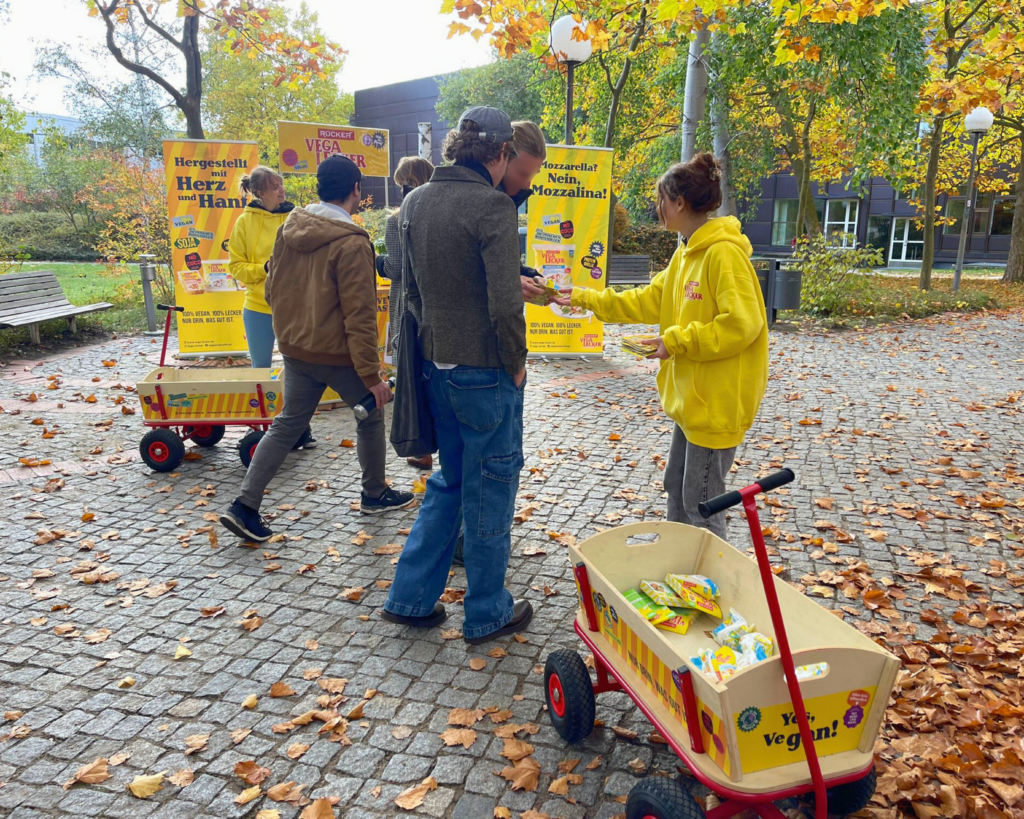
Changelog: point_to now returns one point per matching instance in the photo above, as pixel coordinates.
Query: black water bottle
(363, 409)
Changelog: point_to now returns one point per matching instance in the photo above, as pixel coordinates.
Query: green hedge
(647, 240)
(47, 237)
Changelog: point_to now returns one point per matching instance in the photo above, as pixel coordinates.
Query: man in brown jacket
(321, 286)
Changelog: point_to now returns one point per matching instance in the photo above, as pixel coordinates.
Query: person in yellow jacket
(249, 250)
(713, 341)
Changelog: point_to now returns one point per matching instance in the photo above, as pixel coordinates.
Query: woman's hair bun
(698, 181)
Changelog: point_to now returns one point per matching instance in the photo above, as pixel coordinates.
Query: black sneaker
(307, 441)
(246, 523)
(429, 621)
(522, 614)
(391, 499)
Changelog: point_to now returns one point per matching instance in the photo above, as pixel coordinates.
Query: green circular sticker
(748, 719)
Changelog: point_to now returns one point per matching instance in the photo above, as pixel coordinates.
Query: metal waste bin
(763, 269)
(786, 290)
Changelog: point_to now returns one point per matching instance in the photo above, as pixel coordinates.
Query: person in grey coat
(466, 297)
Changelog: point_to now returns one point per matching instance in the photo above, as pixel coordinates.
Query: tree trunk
(720, 134)
(928, 250)
(1015, 262)
(695, 93)
(192, 107)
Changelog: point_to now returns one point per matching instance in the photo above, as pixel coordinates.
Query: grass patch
(891, 298)
(85, 283)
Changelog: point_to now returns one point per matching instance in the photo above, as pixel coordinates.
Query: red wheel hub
(252, 450)
(159, 451)
(202, 432)
(556, 696)
(651, 816)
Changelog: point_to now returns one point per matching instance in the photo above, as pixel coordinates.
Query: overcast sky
(387, 41)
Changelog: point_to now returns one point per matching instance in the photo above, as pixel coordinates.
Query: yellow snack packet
(680, 621)
(661, 593)
(648, 608)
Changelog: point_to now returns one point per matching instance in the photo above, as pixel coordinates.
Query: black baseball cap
(495, 125)
(336, 176)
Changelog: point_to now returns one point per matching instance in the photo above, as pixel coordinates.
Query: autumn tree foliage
(241, 26)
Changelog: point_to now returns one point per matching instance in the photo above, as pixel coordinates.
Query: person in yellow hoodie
(713, 341)
(249, 249)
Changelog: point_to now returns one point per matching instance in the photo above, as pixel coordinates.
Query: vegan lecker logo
(748, 719)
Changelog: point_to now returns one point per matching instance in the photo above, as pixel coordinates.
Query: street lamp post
(570, 51)
(976, 123)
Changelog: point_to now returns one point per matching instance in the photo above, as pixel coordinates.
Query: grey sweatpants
(694, 474)
(304, 385)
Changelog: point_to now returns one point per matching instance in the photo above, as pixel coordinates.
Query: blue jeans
(259, 335)
(478, 418)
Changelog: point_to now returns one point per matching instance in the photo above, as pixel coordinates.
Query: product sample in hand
(648, 609)
(696, 583)
(551, 290)
(633, 345)
(662, 593)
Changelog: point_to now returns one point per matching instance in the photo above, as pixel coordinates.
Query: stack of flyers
(632, 344)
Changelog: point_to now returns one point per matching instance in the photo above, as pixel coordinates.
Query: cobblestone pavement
(124, 562)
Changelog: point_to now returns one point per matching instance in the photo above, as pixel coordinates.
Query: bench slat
(47, 285)
(32, 298)
(50, 315)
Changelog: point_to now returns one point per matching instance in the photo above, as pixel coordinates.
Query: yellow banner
(304, 145)
(769, 737)
(202, 205)
(567, 230)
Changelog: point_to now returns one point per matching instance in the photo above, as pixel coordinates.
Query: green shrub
(831, 284)
(647, 240)
(47, 237)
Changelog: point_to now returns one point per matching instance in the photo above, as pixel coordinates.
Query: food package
(680, 621)
(551, 288)
(731, 630)
(757, 646)
(717, 665)
(696, 583)
(192, 282)
(633, 344)
(662, 593)
(807, 672)
(648, 608)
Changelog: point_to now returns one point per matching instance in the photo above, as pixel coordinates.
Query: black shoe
(459, 558)
(522, 614)
(246, 523)
(431, 620)
(307, 441)
(391, 499)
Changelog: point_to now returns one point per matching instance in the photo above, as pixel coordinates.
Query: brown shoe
(426, 462)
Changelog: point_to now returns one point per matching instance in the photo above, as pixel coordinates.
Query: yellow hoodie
(250, 246)
(711, 313)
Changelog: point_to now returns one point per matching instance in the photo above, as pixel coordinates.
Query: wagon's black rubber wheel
(570, 695)
(659, 797)
(247, 446)
(162, 450)
(846, 799)
(205, 435)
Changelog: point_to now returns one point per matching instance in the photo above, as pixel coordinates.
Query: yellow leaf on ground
(248, 795)
(281, 689)
(91, 774)
(318, 809)
(296, 749)
(465, 717)
(196, 743)
(523, 775)
(251, 773)
(239, 734)
(180, 652)
(250, 701)
(126, 682)
(145, 786)
(286, 792)
(413, 797)
(356, 713)
(516, 749)
(459, 736)
(270, 813)
(182, 778)
(419, 486)
(501, 812)
(478, 663)
(353, 594)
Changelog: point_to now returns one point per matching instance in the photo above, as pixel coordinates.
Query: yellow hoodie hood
(711, 314)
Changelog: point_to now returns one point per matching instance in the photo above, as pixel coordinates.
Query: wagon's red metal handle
(167, 326)
(747, 496)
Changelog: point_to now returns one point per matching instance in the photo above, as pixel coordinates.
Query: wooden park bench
(27, 299)
(632, 270)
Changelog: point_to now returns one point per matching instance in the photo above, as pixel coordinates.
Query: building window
(982, 214)
(841, 218)
(784, 221)
(954, 212)
(1002, 216)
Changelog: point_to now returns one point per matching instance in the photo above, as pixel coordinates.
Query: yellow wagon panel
(211, 396)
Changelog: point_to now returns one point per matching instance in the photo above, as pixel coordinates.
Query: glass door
(907, 241)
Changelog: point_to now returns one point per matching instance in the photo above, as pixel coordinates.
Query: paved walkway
(107, 571)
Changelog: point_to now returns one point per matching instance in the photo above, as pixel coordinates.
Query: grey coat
(464, 290)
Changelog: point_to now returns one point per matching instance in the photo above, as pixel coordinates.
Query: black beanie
(336, 177)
